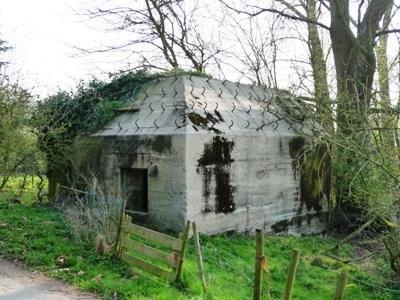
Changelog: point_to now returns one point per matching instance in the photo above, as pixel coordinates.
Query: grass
(38, 236)
(25, 192)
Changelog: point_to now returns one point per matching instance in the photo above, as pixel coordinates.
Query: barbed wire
(232, 262)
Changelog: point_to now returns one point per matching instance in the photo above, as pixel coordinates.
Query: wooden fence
(173, 260)
(262, 264)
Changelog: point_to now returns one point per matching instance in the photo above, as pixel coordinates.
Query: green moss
(313, 167)
(178, 72)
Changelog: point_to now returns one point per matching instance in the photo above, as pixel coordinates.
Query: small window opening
(134, 184)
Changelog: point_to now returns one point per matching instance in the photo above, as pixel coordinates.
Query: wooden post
(291, 274)
(185, 236)
(199, 257)
(119, 229)
(341, 286)
(124, 234)
(258, 269)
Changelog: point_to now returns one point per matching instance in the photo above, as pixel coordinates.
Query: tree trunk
(387, 119)
(52, 189)
(4, 181)
(318, 64)
(55, 179)
(355, 66)
(396, 132)
(321, 155)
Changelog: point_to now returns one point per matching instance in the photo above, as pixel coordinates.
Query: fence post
(339, 295)
(291, 274)
(119, 229)
(185, 236)
(199, 256)
(258, 270)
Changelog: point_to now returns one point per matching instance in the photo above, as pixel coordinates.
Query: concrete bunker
(220, 153)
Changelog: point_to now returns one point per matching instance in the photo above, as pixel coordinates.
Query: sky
(44, 35)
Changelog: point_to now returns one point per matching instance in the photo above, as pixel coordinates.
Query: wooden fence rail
(173, 260)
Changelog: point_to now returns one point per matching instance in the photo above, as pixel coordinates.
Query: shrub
(91, 212)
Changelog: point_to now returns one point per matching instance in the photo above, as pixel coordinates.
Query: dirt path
(17, 283)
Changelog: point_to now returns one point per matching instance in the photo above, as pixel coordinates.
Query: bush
(91, 213)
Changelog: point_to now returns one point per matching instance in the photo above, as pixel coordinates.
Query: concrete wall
(166, 190)
(261, 179)
(223, 182)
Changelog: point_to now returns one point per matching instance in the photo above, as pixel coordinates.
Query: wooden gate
(172, 260)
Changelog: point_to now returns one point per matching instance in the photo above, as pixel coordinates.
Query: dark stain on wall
(300, 219)
(223, 190)
(296, 144)
(197, 120)
(314, 186)
(211, 118)
(127, 160)
(280, 146)
(133, 145)
(281, 226)
(215, 163)
(162, 143)
(218, 114)
(207, 177)
(125, 145)
(217, 152)
(206, 122)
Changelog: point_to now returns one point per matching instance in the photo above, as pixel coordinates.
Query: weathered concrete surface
(19, 284)
(183, 104)
(223, 154)
(166, 190)
(260, 186)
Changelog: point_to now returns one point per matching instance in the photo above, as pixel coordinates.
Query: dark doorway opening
(134, 184)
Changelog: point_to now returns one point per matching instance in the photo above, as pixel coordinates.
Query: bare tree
(257, 46)
(314, 81)
(355, 67)
(168, 26)
(304, 10)
(353, 39)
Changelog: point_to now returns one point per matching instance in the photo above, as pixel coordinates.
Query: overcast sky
(44, 33)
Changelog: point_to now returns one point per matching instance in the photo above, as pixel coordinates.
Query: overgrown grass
(38, 236)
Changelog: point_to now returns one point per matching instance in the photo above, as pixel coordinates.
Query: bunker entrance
(134, 189)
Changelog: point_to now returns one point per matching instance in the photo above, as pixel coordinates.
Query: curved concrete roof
(190, 105)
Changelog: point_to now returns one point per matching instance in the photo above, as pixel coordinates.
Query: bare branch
(261, 10)
(383, 32)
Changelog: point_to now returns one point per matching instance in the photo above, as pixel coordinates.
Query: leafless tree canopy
(169, 26)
